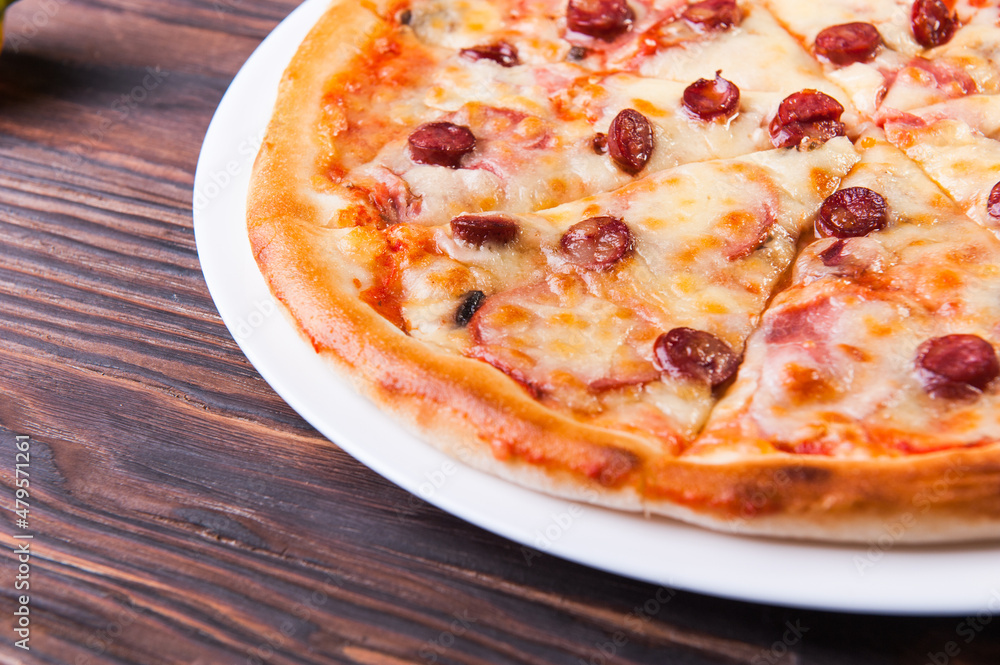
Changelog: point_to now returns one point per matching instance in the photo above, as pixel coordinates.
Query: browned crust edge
(937, 497)
(475, 413)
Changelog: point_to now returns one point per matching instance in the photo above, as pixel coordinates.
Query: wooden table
(181, 512)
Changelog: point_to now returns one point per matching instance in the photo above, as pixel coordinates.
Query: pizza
(733, 262)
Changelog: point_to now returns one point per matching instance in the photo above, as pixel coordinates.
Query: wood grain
(182, 512)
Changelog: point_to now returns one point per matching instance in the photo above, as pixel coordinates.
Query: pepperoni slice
(708, 99)
(479, 230)
(851, 212)
(957, 366)
(471, 303)
(597, 243)
(809, 106)
(604, 19)
(502, 53)
(713, 14)
(933, 23)
(848, 43)
(441, 144)
(630, 140)
(695, 354)
(993, 203)
(807, 114)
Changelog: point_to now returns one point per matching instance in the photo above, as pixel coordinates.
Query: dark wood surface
(181, 512)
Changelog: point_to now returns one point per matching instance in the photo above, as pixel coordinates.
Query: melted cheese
(711, 240)
(957, 145)
(558, 336)
(715, 217)
(890, 17)
(534, 153)
(831, 369)
(748, 55)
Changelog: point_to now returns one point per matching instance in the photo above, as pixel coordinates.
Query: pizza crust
(482, 417)
(934, 498)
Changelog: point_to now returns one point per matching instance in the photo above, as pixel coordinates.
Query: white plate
(882, 578)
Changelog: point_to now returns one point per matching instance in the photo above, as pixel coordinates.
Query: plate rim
(219, 193)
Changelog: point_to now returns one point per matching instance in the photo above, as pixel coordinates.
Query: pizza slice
(641, 287)
(748, 44)
(869, 393)
(861, 46)
(583, 31)
(498, 126)
(678, 40)
(892, 56)
(592, 133)
(962, 56)
(957, 143)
